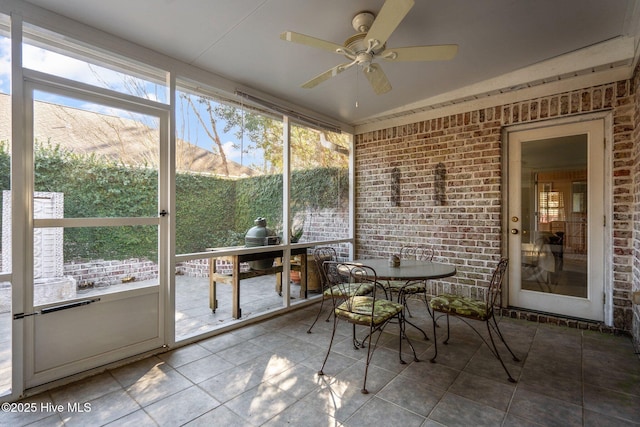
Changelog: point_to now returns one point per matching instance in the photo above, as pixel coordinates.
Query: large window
(230, 159)
(93, 159)
(319, 185)
(5, 186)
(228, 172)
(54, 54)
(93, 162)
(5, 131)
(229, 163)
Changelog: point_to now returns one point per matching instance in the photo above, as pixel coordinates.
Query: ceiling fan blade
(389, 17)
(378, 79)
(442, 52)
(290, 36)
(326, 75)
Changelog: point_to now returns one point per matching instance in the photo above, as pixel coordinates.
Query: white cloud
(230, 151)
(53, 63)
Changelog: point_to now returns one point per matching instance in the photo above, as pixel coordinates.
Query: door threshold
(560, 320)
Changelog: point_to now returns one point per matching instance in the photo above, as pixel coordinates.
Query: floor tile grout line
(395, 404)
(517, 385)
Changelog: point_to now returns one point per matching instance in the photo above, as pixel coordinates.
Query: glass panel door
(556, 233)
(96, 258)
(554, 216)
(92, 162)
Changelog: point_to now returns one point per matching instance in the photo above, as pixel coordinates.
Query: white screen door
(94, 293)
(556, 219)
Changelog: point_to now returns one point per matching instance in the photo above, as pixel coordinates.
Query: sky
(53, 63)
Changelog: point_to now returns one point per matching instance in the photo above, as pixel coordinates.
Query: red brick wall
(111, 271)
(635, 286)
(466, 228)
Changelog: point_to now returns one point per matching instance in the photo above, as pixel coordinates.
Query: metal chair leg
(317, 316)
(448, 331)
(497, 329)
(333, 334)
(331, 312)
(366, 367)
(435, 337)
(497, 354)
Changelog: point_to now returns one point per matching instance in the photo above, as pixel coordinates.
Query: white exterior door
(96, 241)
(556, 219)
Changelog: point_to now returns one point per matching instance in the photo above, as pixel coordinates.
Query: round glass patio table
(409, 269)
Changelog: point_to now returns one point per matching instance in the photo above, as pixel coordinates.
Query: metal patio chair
(475, 309)
(330, 281)
(365, 310)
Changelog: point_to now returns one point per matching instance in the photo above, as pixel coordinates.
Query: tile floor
(257, 296)
(266, 375)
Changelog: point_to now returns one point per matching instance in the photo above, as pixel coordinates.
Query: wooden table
(236, 275)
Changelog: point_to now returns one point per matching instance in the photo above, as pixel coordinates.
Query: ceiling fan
(369, 44)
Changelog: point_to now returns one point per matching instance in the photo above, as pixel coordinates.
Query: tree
(309, 147)
(209, 125)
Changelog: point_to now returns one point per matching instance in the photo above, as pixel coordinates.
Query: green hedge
(200, 221)
(210, 211)
(93, 188)
(310, 189)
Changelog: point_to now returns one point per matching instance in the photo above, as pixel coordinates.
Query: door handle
(56, 308)
(68, 306)
(514, 231)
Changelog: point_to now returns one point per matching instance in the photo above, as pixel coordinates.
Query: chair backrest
(353, 280)
(423, 253)
(495, 286)
(334, 275)
(320, 255)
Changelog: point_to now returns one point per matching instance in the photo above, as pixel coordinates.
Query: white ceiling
(239, 40)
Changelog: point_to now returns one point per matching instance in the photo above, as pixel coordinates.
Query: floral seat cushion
(359, 308)
(348, 289)
(407, 288)
(460, 306)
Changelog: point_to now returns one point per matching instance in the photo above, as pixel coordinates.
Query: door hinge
(604, 298)
(604, 221)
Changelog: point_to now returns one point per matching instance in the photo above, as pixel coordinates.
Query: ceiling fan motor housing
(358, 45)
(362, 21)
